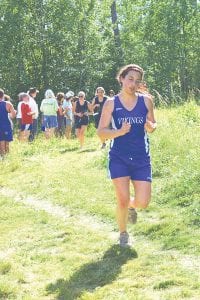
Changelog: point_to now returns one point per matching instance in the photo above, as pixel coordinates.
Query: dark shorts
(81, 121)
(61, 121)
(97, 119)
(6, 135)
(139, 169)
(26, 127)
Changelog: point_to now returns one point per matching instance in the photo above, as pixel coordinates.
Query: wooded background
(79, 45)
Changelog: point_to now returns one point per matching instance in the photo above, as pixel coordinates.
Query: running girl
(132, 117)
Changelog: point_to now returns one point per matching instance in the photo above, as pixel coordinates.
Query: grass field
(57, 220)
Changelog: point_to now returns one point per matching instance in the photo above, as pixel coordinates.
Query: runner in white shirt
(34, 107)
(19, 116)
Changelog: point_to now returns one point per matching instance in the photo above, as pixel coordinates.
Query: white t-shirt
(34, 107)
(19, 113)
(68, 104)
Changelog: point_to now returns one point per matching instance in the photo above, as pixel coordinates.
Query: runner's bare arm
(150, 124)
(90, 108)
(31, 113)
(74, 109)
(93, 104)
(10, 109)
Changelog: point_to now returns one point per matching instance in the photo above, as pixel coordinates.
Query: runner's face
(100, 93)
(81, 97)
(131, 82)
(26, 99)
(34, 95)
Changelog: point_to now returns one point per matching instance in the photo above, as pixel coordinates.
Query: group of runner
(131, 114)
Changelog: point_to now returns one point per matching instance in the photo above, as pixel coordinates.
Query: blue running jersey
(134, 144)
(5, 123)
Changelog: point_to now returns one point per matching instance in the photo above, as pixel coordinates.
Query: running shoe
(124, 239)
(132, 215)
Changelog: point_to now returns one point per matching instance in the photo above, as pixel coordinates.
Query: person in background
(80, 110)
(6, 135)
(143, 90)
(73, 101)
(111, 94)
(19, 116)
(26, 117)
(60, 130)
(34, 108)
(67, 106)
(97, 106)
(49, 108)
(8, 99)
(132, 117)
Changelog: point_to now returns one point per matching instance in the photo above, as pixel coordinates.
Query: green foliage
(162, 36)
(164, 284)
(5, 267)
(190, 113)
(6, 291)
(91, 130)
(76, 45)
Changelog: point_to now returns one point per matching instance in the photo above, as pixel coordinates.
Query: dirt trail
(91, 222)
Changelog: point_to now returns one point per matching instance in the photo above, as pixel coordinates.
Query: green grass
(43, 256)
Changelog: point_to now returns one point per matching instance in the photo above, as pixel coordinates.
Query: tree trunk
(116, 31)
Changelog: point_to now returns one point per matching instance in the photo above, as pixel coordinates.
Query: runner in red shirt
(27, 117)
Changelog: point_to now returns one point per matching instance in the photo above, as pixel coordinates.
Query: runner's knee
(142, 203)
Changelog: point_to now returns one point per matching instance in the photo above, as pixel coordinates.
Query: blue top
(68, 104)
(135, 143)
(4, 120)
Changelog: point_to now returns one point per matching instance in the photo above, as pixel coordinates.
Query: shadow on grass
(87, 150)
(62, 151)
(93, 274)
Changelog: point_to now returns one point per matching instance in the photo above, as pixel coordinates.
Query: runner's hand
(125, 128)
(150, 126)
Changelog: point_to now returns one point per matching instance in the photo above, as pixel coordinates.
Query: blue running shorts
(50, 121)
(6, 135)
(136, 169)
